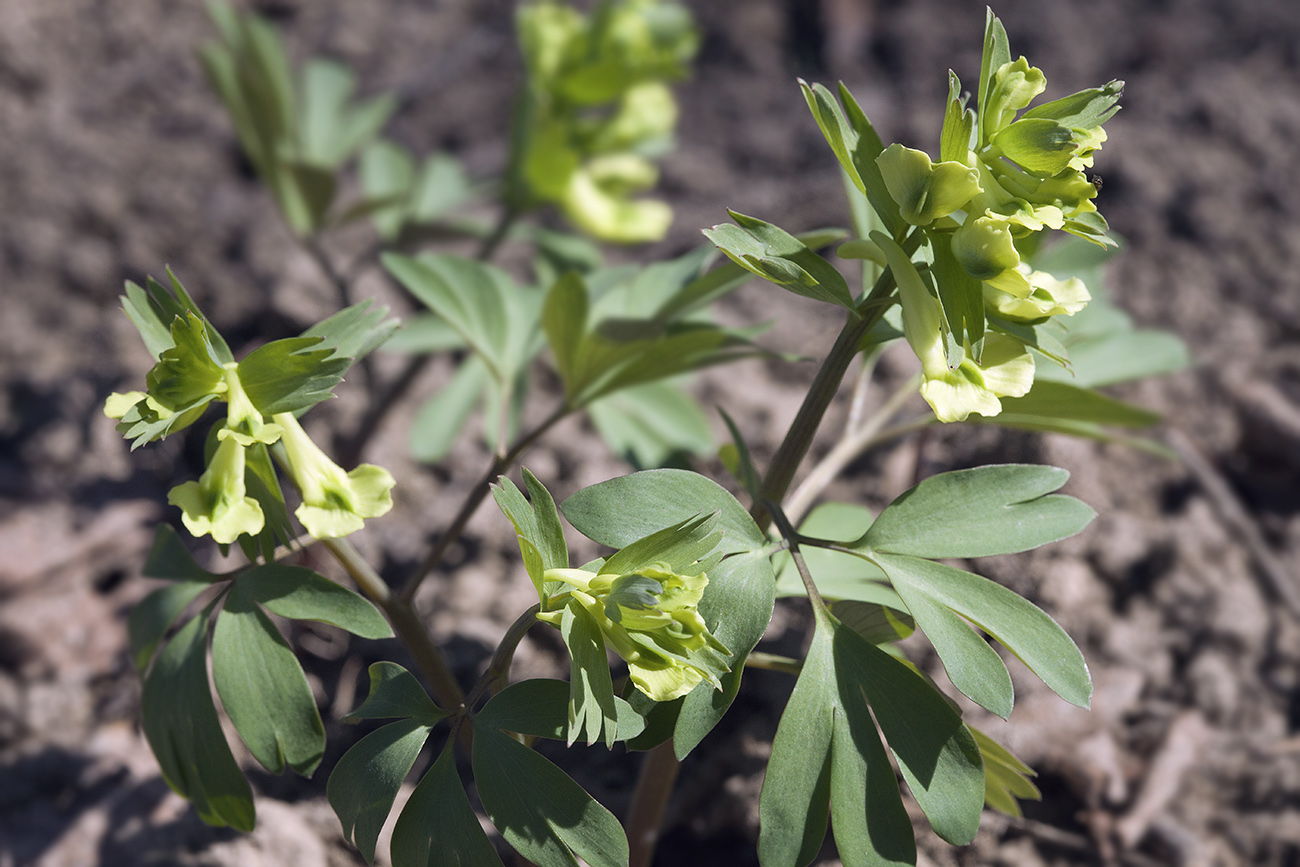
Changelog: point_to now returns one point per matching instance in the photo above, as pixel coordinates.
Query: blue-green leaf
(180, 722)
(543, 814)
(1019, 625)
(437, 827)
(1000, 509)
(299, 593)
(394, 692)
(263, 688)
(364, 783)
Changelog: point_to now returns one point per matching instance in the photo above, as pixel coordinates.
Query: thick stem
(780, 473)
(499, 667)
(405, 623)
(473, 500)
(645, 815)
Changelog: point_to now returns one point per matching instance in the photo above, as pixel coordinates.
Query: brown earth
(115, 160)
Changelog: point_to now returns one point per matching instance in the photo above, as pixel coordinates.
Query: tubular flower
(244, 422)
(217, 503)
(650, 619)
(926, 190)
(334, 503)
(1049, 297)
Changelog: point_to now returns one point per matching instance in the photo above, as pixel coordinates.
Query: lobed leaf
(299, 593)
(539, 810)
(437, 827)
(394, 692)
(364, 783)
(255, 671)
(1000, 509)
(181, 725)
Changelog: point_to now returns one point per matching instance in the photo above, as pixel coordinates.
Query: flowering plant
(1006, 331)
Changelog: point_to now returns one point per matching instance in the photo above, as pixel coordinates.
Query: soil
(116, 160)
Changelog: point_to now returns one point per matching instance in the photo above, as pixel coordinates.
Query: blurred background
(116, 160)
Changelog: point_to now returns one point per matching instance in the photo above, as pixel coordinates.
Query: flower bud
(924, 190)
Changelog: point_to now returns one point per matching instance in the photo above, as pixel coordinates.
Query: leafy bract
(543, 814)
(999, 509)
(776, 255)
(856, 145)
(537, 526)
(291, 375)
(254, 671)
(356, 331)
(181, 725)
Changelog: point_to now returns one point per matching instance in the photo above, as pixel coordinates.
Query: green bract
(334, 503)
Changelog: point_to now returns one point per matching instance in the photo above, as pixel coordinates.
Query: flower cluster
(599, 108)
(1007, 173)
(237, 497)
(649, 617)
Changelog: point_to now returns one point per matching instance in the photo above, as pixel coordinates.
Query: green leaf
(564, 320)
(364, 783)
(387, 173)
(543, 814)
(424, 333)
(936, 754)
(290, 375)
(1120, 357)
(190, 370)
(678, 547)
(876, 622)
(774, 254)
(1060, 400)
(356, 331)
(622, 510)
(154, 614)
(652, 425)
(1006, 778)
(437, 827)
(539, 708)
(394, 692)
(869, 821)
(329, 129)
(263, 688)
(1083, 110)
(1016, 623)
(438, 424)
(477, 300)
(591, 688)
(795, 803)
(170, 559)
(1082, 429)
(181, 725)
(736, 607)
(299, 593)
(1000, 509)
(537, 526)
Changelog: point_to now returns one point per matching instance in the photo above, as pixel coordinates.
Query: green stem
(499, 667)
(472, 501)
(772, 662)
(645, 815)
(405, 623)
(794, 447)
